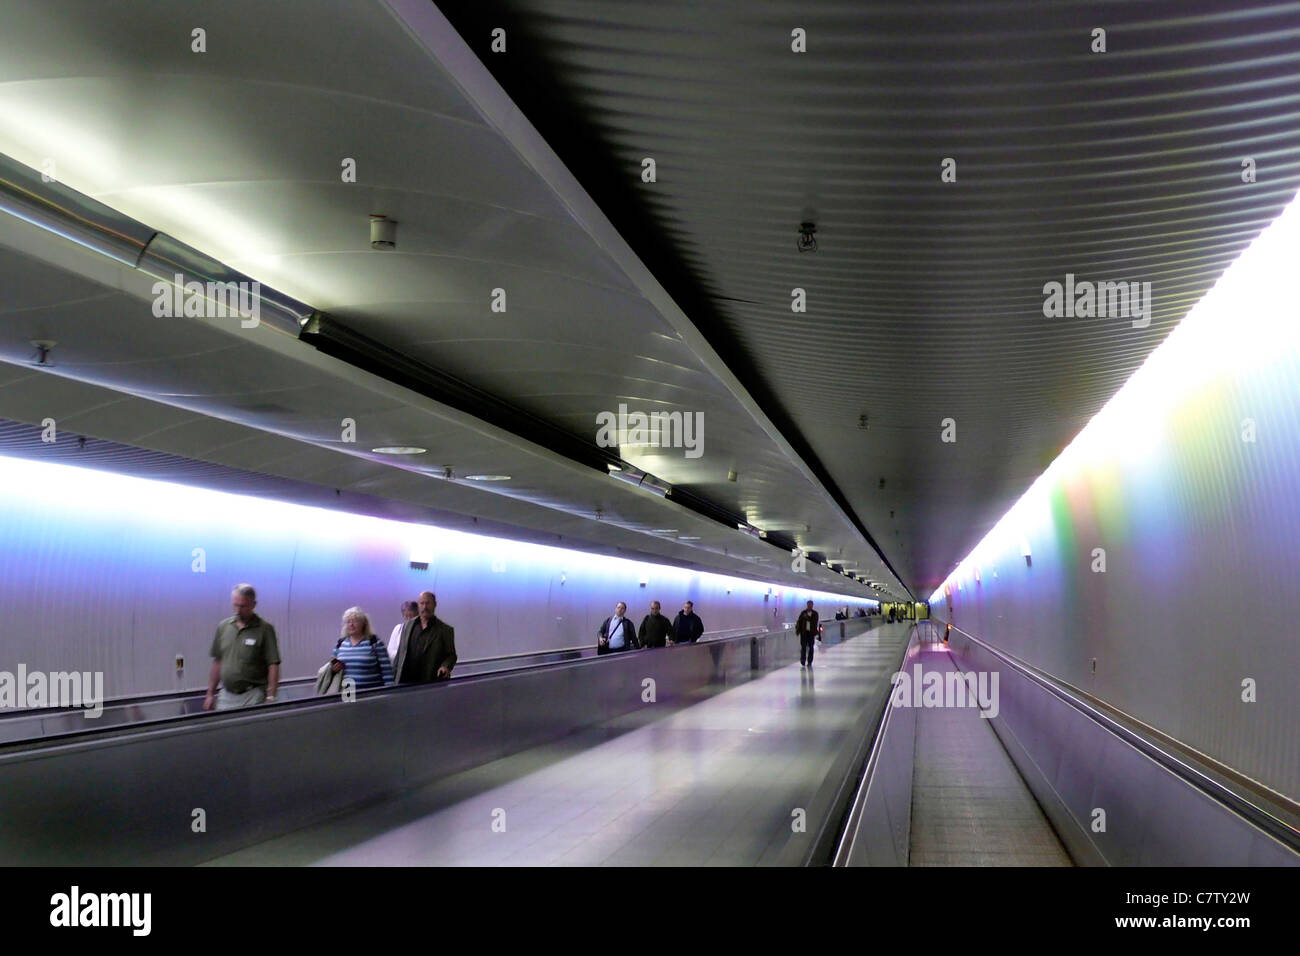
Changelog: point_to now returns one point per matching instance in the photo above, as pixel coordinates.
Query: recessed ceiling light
(487, 477)
(689, 537)
(664, 531)
(399, 450)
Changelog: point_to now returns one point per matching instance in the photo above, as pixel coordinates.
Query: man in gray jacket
(428, 649)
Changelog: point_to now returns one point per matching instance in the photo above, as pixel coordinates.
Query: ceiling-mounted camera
(807, 237)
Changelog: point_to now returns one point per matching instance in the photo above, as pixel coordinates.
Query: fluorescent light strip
(1248, 317)
(69, 489)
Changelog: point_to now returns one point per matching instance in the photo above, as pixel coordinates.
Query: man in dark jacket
(616, 632)
(806, 628)
(656, 630)
(687, 626)
(428, 649)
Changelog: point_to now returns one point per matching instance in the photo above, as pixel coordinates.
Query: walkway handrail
(830, 836)
(1261, 817)
(142, 726)
(848, 825)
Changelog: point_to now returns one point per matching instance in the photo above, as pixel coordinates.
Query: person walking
(245, 657)
(806, 628)
(428, 648)
(359, 655)
(410, 610)
(656, 630)
(687, 626)
(616, 632)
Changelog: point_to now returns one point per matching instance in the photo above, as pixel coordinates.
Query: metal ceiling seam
(64, 254)
(427, 26)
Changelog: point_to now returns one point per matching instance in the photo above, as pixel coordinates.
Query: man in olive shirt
(656, 630)
(245, 656)
(428, 649)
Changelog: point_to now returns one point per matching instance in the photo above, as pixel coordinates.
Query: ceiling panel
(925, 298)
(232, 413)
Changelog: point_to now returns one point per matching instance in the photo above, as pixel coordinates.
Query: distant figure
(427, 651)
(860, 612)
(245, 656)
(687, 626)
(616, 632)
(806, 628)
(656, 630)
(359, 655)
(409, 610)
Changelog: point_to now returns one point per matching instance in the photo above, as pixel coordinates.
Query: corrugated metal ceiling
(926, 298)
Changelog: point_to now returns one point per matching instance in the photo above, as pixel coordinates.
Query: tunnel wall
(1187, 487)
(110, 573)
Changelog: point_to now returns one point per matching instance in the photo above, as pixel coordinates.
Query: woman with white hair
(359, 655)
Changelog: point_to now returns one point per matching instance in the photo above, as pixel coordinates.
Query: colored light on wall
(1116, 471)
(104, 502)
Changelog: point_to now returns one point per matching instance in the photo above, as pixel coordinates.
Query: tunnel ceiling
(230, 127)
(925, 300)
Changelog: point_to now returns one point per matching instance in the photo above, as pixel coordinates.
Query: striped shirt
(367, 664)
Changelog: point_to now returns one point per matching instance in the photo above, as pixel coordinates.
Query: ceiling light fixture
(640, 479)
(43, 349)
(399, 450)
(31, 196)
(383, 233)
(487, 477)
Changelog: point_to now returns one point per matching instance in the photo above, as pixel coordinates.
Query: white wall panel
(99, 572)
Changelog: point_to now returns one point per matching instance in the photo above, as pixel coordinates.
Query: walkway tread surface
(970, 806)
